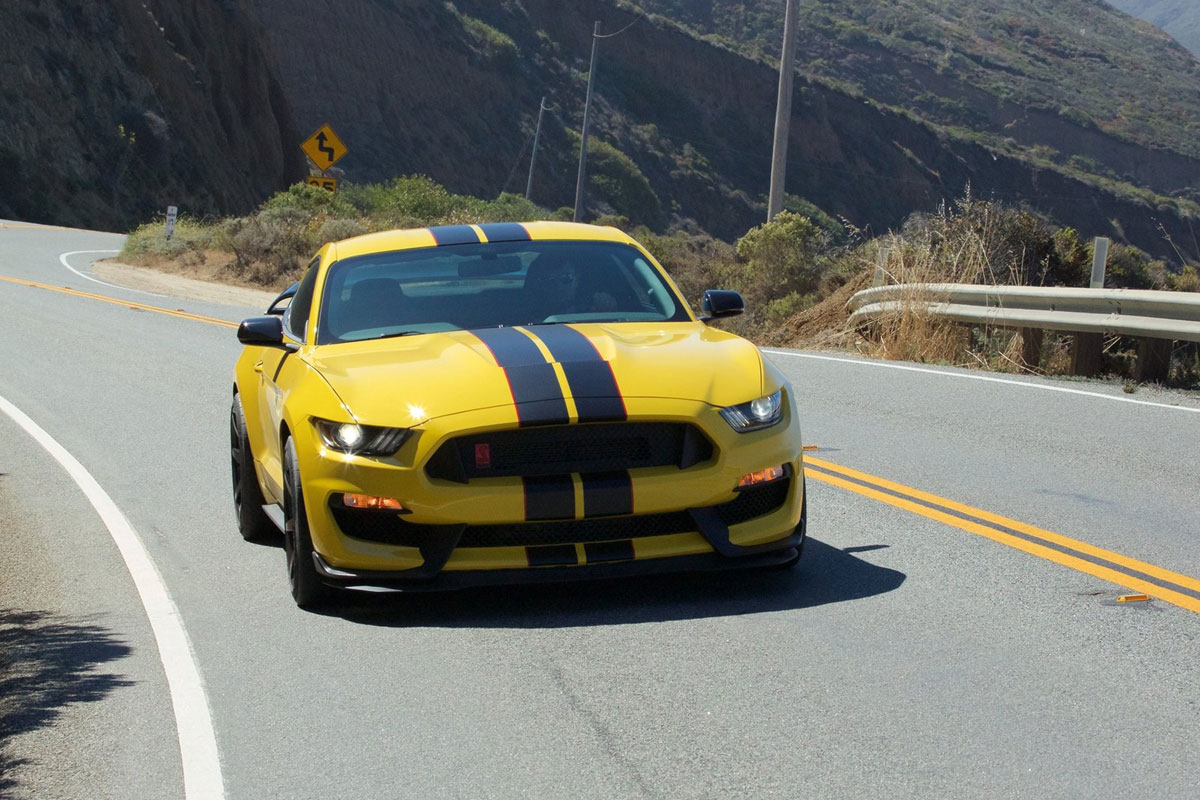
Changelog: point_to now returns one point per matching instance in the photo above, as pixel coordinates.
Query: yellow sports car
(468, 404)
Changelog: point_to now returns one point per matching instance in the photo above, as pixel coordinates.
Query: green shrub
(191, 235)
(303, 201)
(493, 44)
(266, 250)
(335, 230)
(413, 196)
(784, 308)
(509, 207)
(1127, 268)
(781, 257)
(616, 179)
(1187, 281)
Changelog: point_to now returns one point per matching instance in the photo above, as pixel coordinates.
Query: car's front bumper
(430, 555)
(418, 580)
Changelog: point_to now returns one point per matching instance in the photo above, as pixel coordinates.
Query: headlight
(755, 415)
(363, 440)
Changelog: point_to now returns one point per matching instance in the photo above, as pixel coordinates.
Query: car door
(272, 375)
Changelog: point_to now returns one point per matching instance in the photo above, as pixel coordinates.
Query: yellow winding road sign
(324, 148)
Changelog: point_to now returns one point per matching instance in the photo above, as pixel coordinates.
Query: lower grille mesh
(387, 528)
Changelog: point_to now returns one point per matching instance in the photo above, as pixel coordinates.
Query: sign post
(172, 217)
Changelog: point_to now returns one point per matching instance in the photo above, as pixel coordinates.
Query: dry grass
(970, 242)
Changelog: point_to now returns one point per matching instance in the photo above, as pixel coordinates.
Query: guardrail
(1154, 318)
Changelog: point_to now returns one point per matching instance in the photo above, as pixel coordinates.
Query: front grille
(563, 449)
(388, 528)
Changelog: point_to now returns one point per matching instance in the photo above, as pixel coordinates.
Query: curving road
(953, 629)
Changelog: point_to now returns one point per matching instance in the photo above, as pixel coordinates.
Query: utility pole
(537, 134)
(783, 112)
(587, 109)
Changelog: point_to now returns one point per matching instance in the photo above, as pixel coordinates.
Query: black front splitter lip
(446, 581)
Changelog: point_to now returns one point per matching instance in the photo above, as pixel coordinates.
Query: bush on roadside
(149, 241)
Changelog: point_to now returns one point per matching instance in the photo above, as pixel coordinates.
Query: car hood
(403, 381)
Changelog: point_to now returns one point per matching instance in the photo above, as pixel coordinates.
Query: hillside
(1003, 69)
(112, 111)
(111, 114)
(1180, 18)
(683, 123)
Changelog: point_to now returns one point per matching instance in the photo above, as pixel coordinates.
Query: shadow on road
(46, 663)
(824, 575)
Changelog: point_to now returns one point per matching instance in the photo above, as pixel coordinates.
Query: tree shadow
(824, 575)
(48, 662)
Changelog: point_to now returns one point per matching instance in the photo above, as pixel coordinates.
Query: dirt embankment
(210, 281)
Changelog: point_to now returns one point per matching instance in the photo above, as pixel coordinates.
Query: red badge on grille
(483, 456)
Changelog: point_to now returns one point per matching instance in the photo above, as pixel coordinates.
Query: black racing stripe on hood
(593, 384)
(534, 385)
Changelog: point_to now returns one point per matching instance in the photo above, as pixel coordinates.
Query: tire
(248, 501)
(307, 589)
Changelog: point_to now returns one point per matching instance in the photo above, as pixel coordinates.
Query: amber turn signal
(762, 476)
(371, 502)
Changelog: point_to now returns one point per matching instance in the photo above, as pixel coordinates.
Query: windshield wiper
(397, 334)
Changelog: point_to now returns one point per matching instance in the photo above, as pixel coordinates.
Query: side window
(296, 317)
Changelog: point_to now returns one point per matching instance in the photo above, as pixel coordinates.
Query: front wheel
(307, 589)
(248, 501)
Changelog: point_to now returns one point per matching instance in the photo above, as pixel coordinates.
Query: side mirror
(280, 304)
(719, 303)
(261, 332)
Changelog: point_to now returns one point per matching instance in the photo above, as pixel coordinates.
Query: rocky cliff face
(452, 91)
(111, 111)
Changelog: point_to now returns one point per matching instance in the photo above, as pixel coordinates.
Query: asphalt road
(905, 657)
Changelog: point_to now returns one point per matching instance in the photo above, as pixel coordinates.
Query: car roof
(425, 237)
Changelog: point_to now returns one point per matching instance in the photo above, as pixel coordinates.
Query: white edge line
(986, 378)
(63, 259)
(197, 742)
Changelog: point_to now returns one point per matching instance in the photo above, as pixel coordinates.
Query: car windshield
(461, 287)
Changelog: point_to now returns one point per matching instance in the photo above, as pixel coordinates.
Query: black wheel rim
(289, 526)
(235, 451)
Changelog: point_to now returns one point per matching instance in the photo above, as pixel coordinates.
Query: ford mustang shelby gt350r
(469, 404)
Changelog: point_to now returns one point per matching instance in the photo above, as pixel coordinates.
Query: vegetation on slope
(1079, 59)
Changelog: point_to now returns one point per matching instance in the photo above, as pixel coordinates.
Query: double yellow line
(128, 304)
(1173, 587)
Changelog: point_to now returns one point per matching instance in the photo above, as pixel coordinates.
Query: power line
(618, 33)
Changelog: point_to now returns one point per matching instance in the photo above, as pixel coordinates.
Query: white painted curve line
(986, 378)
(63, 259)
(202, 778)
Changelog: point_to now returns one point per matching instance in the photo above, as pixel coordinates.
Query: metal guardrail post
(1031, 346)
(1086, 352)
(1153, 360)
